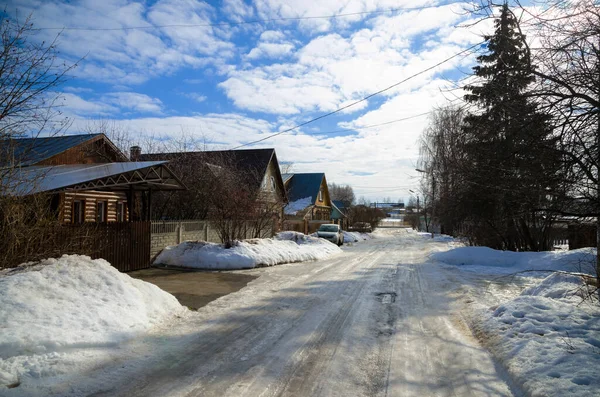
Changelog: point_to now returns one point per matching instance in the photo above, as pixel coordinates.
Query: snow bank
(503, 262)
(298, 205)
(548, 339)
(74, 302)
(286, 247)
(355, 237)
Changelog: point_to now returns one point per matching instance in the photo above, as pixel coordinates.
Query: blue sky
(163, 69)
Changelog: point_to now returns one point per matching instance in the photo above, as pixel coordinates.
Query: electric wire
(360, 100)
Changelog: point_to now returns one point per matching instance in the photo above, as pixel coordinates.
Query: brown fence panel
(126, 245)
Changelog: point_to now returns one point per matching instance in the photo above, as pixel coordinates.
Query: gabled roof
(336, 212)
(30, 151)
(251, 163)
(300, 186)
(141, 175)
(339, 204)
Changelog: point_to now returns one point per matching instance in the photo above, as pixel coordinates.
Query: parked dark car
(361, 227)
(332, 233)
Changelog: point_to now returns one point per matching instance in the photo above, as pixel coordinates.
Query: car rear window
(328, 228)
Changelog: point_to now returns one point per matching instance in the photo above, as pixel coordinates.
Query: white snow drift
(71, 303)
(355, 237)
(487, 260)
(286, 247)
(548, 337)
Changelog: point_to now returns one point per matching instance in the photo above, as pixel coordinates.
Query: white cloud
(74, 104)
(195, 96)
(131, 56)
(332, 70)
(134, 101)
(270, 50)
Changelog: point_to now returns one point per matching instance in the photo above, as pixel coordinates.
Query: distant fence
(303, 225)
(387, 222)
(165, 233)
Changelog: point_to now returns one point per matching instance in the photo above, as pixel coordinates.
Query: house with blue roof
(308, 197)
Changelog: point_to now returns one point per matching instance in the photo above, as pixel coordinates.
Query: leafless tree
(568, 87)
(29, 106)
(364, 213)
(343, 193)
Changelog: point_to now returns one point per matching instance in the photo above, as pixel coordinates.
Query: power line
(369, 126)
(250, 22)
(361, 100)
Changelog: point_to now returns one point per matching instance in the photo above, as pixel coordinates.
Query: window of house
(101, 211)
(320, 195)
(272, 183)
(78, 211)
(120, 211)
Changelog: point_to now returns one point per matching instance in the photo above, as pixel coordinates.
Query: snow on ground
(355, 237)
(487, 260)
(547, 337)
(298, 205)
(57, 306)
(285, 247)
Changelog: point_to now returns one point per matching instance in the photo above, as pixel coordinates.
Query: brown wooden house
(90, 178)
(258, 169)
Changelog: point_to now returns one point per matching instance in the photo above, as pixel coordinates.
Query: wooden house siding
(272, 193)
(90, 198)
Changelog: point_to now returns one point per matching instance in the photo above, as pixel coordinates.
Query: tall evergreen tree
(514, 165)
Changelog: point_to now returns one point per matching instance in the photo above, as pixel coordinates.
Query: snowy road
(376, 320)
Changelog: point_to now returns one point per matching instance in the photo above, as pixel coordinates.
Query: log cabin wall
(89, 201)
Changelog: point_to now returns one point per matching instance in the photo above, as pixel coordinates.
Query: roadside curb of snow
(473, 320)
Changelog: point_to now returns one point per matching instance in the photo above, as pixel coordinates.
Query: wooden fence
(126, 245)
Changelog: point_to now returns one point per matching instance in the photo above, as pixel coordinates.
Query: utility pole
(432, 197)
(418, 210)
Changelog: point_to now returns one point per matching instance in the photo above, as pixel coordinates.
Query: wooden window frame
(104, 213)
(120, 215)
(78, 215)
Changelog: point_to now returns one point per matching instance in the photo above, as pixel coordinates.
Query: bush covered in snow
(73, 302)
(286, 247)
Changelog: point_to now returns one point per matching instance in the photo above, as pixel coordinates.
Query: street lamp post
(432, 196)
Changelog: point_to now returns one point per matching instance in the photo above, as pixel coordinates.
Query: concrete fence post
(179, 232)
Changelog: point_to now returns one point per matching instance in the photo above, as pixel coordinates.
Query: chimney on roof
(134, 153)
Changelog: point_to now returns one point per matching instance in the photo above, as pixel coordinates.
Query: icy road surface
(377, 320)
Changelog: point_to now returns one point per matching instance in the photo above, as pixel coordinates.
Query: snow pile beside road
(286, 247)
(70, 303)
(484, 259)
(548, 339)
(355, 237)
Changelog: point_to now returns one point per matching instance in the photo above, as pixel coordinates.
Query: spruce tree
(513, 161)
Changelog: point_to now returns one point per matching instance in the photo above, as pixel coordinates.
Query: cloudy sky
(233, 72)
